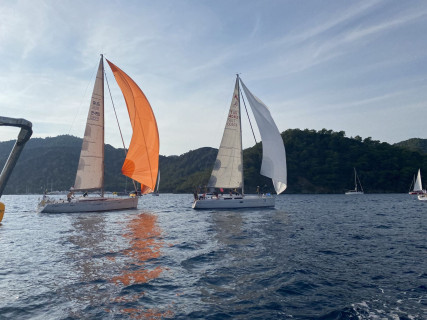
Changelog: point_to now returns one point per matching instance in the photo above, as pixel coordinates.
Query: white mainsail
(90, 171)
(418, 185)
(228, 167)
(273, 150)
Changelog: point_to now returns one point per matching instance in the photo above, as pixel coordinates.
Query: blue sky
(356, 66)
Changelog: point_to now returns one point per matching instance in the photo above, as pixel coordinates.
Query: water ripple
(313, 257)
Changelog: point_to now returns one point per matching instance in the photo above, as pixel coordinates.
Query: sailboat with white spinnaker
(228, 168)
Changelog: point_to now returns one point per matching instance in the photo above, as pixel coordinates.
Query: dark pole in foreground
(23, 136)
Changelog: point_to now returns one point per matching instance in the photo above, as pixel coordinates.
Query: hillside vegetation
(414, 144)
(318, 162)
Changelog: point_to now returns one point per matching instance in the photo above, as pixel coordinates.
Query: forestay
(228, 167)
(90, 171)
(273, 150)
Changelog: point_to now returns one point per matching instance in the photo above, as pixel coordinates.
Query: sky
(353, 66)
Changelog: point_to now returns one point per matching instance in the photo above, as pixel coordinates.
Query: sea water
(312, 257)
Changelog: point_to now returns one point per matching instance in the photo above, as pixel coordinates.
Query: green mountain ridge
(414, 144)
(317, 161)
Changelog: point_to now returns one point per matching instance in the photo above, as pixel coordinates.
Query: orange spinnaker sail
(142, 159)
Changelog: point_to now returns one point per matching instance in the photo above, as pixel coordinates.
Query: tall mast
(103, 127)
(355, 181)
(240, 120)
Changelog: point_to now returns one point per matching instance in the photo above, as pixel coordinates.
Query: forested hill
(323, 161)
(318, 162)
(414, 144)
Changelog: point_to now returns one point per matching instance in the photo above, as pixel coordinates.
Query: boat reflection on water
(247, 241)
(228, 227)
(114, 259)
(143, 235)
(141, 266)
(89, 243)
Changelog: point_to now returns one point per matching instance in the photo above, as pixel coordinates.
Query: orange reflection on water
(145, 245)
(143, 235)
(135, 313)
(138, 276)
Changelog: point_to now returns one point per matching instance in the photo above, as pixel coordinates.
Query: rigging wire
(244, 103)
(118, 124)
(115, 113)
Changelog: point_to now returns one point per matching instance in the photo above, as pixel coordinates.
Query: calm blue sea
(313, 257)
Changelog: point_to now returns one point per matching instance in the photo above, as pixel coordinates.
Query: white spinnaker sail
(273, 150)
(418, 185)
(227, 171)
(90, 172)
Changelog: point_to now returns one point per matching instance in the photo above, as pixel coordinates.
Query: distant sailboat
(422, 197)
(142, 158)
(228, 168)
(356, 183)
(417, 187)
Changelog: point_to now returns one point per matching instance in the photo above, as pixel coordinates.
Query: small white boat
(417, 185)
(142, 157)
(422, 197)
(350, 192)
(228, 168)
(356, 191)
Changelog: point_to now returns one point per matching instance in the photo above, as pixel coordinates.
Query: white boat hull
(90, 205)
(235, 202)
(419, 192)
(422, 197)
(354, 192)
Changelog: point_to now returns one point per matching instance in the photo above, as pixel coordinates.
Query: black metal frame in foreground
(23, 136)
